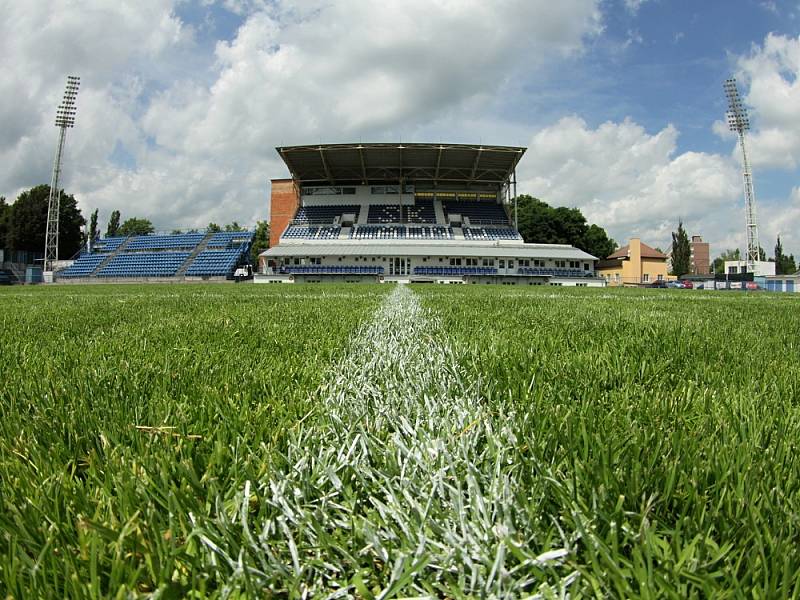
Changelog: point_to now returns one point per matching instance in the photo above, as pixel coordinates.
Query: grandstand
(408, 212)
(205, 255)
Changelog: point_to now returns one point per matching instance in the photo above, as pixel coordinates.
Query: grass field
(378, 441)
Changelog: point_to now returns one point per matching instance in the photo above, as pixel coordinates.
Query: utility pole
(65, 117)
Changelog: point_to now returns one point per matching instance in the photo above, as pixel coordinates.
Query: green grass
(511, 442)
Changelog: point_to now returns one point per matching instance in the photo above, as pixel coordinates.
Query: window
(732, 270)
(646, 277)
(315, 260)
(510, 264)
(455, 262)
(585, 266)
(561, 264)
(574, 264)
(502, 264)
(660, 277)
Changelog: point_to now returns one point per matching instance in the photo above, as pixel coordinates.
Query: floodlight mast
(65, 117)
(739, 123)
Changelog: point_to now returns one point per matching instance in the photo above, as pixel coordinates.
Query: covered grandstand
(205, 255)
(408, 212)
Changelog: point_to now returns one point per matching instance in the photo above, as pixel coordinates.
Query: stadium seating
(420, 212)
(491, 233)
(108, 244)
(164, 242)
(164, 256)
(230, 239)
(478, 212)
(332, 270)
(455, 271)
(144, 264)
(401, 232)
(378, 232)
(554, 272)
(324, 214)
(434, 232)
(303, 232)
(84, 265)
(215, 263)
(383, 213)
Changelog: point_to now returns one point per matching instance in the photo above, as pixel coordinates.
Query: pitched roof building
(634, 264)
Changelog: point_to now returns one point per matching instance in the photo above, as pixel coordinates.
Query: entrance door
(399, 265)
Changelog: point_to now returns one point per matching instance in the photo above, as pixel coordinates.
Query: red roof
(647, 252)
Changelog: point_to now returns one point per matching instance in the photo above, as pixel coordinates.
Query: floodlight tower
(739, 123)
(65, 117)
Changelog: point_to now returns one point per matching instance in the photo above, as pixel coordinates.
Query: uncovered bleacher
(163, 255)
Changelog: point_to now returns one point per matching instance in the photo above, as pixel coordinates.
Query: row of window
(337, 190)
(456, 262)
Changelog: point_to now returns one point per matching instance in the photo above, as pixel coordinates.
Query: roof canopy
(424, 165)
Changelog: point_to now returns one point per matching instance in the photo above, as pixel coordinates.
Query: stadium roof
(554, 251)
(445, 165)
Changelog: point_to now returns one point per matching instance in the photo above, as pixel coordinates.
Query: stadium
(408, 212)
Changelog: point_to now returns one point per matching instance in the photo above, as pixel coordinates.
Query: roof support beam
(325, 166)
(363, 165)
(438, 162)
(475, 164)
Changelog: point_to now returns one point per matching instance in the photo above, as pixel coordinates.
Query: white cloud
(633, 6)
(202, 135)
(781, 219)
(771, 73)
(631, 182)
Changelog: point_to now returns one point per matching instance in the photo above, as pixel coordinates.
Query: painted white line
(404, 480)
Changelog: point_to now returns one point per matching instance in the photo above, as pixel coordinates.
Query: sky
(619, 102)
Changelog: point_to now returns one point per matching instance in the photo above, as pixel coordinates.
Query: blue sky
(620, 102)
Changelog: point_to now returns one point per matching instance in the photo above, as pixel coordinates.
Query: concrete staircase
(197, 250)
(108, 258)
(439, 212)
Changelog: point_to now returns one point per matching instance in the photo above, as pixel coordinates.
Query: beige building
(634, 264)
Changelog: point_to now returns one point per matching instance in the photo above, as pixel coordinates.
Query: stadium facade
(408, 212)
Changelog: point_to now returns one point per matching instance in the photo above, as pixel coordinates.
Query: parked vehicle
(674, 284)
(659, 284)
(686, 284)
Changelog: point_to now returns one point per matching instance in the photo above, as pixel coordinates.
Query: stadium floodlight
(739, 123)
(65, 117)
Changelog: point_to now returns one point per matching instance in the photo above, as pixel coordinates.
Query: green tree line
(544, 224)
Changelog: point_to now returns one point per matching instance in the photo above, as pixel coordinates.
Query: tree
(681, 251)
(113, 225)
(234, 227)
(718, 266)
(597, 243)
(784, 265)
(27, 222)
(5, 210)
(136, 226)
(213, 228)
(93, 231)
(260, 241)
(540, 222)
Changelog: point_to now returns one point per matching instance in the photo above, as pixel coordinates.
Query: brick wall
(284, 201)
